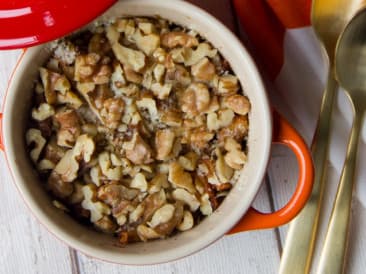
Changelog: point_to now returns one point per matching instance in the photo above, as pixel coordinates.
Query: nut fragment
(238, 103)
(133, 58)
(139, 182)
(147, 43)
(84, 147)
(187, 222)
(219, 120)
(161, 91)
(195, 99)
(164, 140)
(146, 233)
(223, 170)
(203, 50)
(69, 127)
(43, 112)
(188, 161)
(34, 136)
(235, 157)
(112, 173)
(237, 130)
(173, 39)
(53, 82)
(162, 215)
(137, 151)
(189, 199)
(97, 209)
(228, 85)
(199, 138)
(137, 213)
(206, 207)
(179, 178)
(69, 98)
(67, 167)
(204, 70)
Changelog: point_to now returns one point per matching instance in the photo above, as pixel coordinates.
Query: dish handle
(284, 133)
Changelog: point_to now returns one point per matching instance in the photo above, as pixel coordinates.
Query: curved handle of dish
(1, 132)
(285, 134)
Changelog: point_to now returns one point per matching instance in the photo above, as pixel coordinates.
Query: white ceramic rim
(260, 134)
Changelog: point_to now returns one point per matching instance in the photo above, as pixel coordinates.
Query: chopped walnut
(43, 112)
(187, 222)
(162, 215)
(97, 209)
(34, 137)
(204, 70)
(186, 197)
(148, 43)
(112, 112)
(219, 120)
(69, 127)
(88, 69)
(238, 103)
(228, 85)
(137, 151)
(195, 99)
(200, 138)
(235, 157)
(133, 58)
(164, 140)
(238, 129)
(53, 82)
(173, 39)
(179, 178)
(112, 173)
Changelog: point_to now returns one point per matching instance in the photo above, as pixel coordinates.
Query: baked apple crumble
(138, 127)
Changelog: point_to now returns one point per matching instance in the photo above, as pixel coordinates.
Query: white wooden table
(27, 247)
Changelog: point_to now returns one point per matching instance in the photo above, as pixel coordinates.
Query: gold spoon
(350, 66)
(329, 17)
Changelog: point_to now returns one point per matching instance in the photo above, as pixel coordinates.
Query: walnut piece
(137, 151)
(34, 137)
(179, 178)
(235, 157)
(43, 112)
(162, 215)
(164, 141)
(97, 209)
(195, 99)
(53, 82)
(133, 58)
(186, 197)
(175, 38)
(238, 103)
(228, 85)
(187, 222)
(69, 127)
(204, 70)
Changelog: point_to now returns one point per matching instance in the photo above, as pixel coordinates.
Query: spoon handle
(332, 256)
(299, 246)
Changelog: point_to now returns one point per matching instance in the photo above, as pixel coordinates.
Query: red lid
(25, 23)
